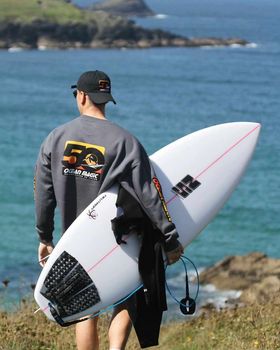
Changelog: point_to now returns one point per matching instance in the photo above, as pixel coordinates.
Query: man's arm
(146, 186)
(44, 196)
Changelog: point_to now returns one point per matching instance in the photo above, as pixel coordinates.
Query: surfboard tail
(68, 287)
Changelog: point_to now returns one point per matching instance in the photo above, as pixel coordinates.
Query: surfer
(60, 182)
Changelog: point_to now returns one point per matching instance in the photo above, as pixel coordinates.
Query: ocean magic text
(82, 173)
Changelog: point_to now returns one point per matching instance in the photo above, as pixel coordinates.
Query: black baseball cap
(97, 85)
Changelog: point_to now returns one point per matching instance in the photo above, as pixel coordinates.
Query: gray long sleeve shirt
(85, 157)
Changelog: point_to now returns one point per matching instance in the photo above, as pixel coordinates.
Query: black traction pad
(68, 287)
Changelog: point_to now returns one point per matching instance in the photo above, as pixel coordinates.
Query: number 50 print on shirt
(83, 160)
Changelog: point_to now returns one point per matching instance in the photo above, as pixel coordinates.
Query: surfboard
(88, 271)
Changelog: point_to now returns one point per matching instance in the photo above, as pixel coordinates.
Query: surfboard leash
(187, 304)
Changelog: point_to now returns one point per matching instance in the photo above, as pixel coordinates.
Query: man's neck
(94, 112)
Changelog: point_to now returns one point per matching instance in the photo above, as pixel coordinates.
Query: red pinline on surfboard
(104, 256)
(227, 151)
(219, 158)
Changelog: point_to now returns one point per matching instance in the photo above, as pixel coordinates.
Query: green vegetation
(250, 327)
(23, 23)
(55, 11)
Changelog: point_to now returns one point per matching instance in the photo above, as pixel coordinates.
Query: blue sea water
(162, 94)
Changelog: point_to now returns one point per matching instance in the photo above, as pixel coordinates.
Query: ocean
(162, 94)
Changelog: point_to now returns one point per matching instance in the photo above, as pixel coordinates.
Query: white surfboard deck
(205, 167)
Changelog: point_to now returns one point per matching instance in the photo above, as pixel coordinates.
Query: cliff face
(106, 33)
(41, 34)
(127, 8)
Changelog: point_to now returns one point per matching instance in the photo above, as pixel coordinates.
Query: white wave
(209, 288)
(235, 46)
(219, 298)
(252, 45)
(232, 46)
(15, 49)
(161, 16)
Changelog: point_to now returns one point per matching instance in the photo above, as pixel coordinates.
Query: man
(83, 158)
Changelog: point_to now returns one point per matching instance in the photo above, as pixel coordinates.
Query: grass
(250, 327)
(58, 11)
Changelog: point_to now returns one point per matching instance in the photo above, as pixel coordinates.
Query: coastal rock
(255, 274)
(106, 32)
(126, 8)
(3, 44)
(217, 42)
(262, 291)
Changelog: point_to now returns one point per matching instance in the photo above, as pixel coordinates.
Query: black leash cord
(187, 304)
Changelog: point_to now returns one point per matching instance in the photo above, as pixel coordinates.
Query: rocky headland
(255, 275)
(49, 24)
(121, 34)
(126, 8)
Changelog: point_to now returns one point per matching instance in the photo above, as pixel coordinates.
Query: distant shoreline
(48, 43)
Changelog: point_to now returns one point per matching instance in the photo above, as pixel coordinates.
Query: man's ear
(84, 98)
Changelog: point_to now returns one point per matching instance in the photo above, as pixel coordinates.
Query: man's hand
(44, 251)
(174, 255)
